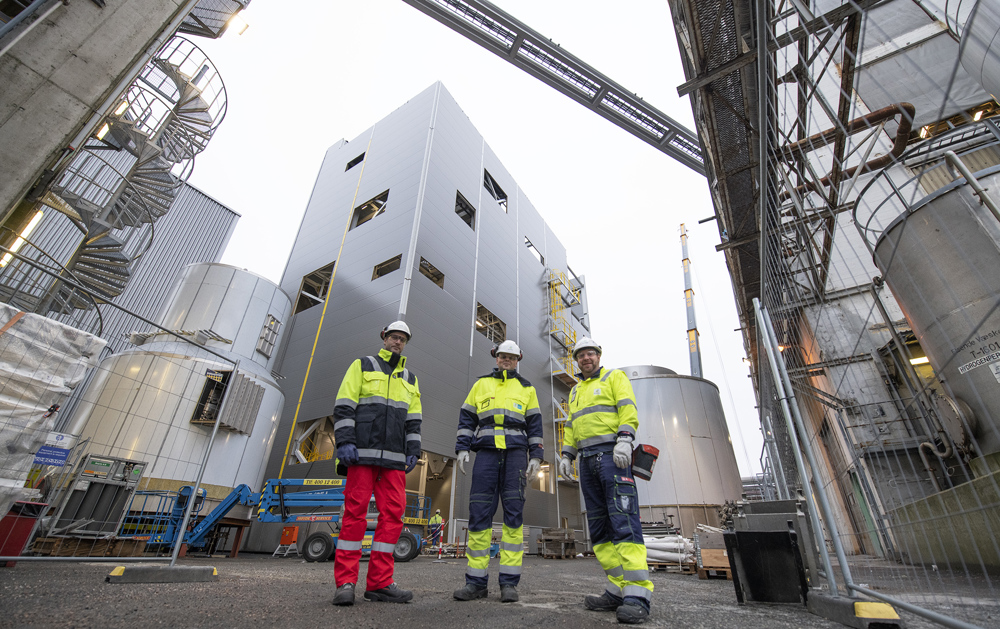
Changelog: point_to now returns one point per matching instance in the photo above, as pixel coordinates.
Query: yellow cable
(329, 289)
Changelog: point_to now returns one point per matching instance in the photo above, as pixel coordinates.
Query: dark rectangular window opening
(430, 272)
(490, 325)
(387, 267)
(354, 162)
(494, 189)
(210, 399)
(534, 251)
(369, 210)
(465, 211)
(314, 288)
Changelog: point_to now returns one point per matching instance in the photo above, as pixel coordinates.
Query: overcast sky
(309, 72)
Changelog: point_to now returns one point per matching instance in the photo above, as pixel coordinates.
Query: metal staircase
(125, 178)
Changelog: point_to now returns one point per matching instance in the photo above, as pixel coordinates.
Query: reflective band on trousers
(505, 569)
(514, 548)
(477, 552)
(636, 575)
(617, 571)
(637, 591)
(383, 547)
(343, 544)
(476, 572)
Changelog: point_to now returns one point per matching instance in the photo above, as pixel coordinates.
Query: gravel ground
(261, 591)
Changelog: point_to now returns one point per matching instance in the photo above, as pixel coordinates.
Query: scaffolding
(563, 295)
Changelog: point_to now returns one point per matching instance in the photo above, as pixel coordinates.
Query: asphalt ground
(261, 591)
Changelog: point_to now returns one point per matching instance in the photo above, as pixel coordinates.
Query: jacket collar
(385, 355)
(504, 374)
(597, 374)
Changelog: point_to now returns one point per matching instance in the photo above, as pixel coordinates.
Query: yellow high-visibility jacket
(378, 410)
(601, 408)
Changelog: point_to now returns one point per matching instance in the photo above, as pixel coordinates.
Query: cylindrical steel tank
(941, 260)
(696, 470)
(142, 402)
(978, 24)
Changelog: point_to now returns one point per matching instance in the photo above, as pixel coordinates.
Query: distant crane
(694, 347)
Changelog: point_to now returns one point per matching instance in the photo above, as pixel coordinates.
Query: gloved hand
(566, 467)
(347, 453)
(623, 453)
(532, 470)
(463, 458)
(411, 462)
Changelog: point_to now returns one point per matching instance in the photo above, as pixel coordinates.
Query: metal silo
(149, 403)
(938, 248)
(696, 471)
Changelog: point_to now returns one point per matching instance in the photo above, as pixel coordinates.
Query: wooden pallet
(710, 572)
(554, 556)
(88, 547)
(682, 568)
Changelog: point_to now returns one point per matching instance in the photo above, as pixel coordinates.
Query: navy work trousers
(498, 477)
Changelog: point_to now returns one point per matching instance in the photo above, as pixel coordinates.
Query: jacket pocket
(373, 384)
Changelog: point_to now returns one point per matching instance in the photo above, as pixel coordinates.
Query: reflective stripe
(476, 572)
(607, 375)
(617, 571)
(346, 401)
(368, 453)
(614, 590)
(637, 575)
(500, 432)
(598, 408)
(465, 432)
(599, 439)
(532, 441)
(624, 403)
(477, 552)
(637, 591)
(514, 548)
(468, 407)
(570, 451)
(344, 423)
(373, 399)
(398, 404)
(505, 569)
(372, 364)
(514, 415)
(413, 437)
(383, 547)
(410, 416)
(343, 544)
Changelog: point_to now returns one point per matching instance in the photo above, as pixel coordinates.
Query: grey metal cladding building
(435, 231)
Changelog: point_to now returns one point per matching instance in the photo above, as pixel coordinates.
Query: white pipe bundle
(663, 556)
(669, 549)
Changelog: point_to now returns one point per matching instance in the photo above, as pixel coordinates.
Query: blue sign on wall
(49, 455)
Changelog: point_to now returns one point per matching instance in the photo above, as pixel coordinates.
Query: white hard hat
(584, 343)
(507, 347)
(397, 326)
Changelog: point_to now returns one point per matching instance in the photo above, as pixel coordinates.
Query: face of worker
(589, 361)
(506, 361)
(395, 342)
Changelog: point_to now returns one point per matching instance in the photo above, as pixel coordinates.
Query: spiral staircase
(122, 181)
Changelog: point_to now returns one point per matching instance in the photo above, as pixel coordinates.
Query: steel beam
(503, 35)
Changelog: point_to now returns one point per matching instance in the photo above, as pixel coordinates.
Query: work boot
(606, 602)
(471, 592)
(344, 595)
(389, 594)
(632, 614)
(508, 593)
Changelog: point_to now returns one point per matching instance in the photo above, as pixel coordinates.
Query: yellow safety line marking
(329, 290)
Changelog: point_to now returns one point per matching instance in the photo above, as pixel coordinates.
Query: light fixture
(923, 360)
(924, 131)
(103, 131)
(978, 116)
(782, 348)
(480, 324)
(237, 22)
(121, 108)
(20, 239)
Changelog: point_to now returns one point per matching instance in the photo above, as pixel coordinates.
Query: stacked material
(41, 361)
(669, 549)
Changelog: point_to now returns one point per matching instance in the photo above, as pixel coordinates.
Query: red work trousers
(389, 487)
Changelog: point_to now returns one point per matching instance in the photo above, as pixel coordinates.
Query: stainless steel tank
(696, 470)
(941, 259)
(143, 401)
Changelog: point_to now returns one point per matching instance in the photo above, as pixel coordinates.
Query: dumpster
(16, 528)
